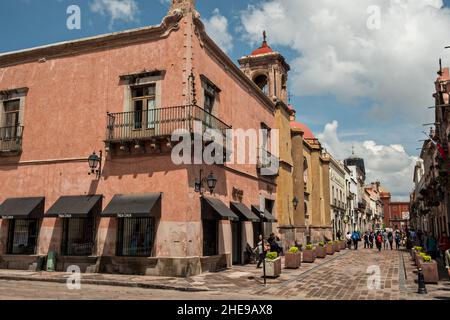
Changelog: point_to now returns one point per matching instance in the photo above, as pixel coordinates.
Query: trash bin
(51, 261)
(40, 263)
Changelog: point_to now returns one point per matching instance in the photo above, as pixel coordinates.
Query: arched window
(262, 82)
(305, 170)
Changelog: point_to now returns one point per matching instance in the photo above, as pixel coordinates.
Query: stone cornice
(102, 42)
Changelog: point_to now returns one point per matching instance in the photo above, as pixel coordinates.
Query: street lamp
(211, 182)
(95, 163)
(295, 202)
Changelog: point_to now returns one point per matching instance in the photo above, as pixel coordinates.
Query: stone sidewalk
(239, 278)
(343, 276)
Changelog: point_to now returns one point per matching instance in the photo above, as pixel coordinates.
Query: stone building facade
(137, 212)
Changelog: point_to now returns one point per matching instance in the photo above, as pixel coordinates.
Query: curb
(105, 283)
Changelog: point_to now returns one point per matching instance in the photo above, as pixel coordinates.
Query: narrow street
(341, 277)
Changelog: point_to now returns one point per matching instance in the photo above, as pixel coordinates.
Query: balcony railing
(11, 139)
(148, 124)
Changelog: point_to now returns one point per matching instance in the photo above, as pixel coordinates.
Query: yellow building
(311, 186)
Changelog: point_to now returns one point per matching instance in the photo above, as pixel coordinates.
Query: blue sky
(352, 109)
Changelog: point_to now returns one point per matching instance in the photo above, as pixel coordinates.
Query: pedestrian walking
(444, 243)
(355, 239)
(385, 240)
(432, 246)
(348, 237)
(366, 241)
(379, 241)
(371, 239)
(391, 239)
(397, 240)
(261, 251)
(447, 261)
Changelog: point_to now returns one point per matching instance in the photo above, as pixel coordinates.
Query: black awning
(23, 208)
(243, 212)
(76, 207)
(134, 206)
(268, 217)
(214, 209)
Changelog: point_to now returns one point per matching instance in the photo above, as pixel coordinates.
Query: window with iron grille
(78, 237)
(22, 236)
(210, 238)
(136, 237)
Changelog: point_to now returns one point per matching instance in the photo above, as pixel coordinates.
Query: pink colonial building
(122, 95)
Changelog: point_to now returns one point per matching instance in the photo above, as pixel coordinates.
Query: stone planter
(336, 247)
(293, 260)
(342, 245)
(309, 256)
(273, 268)
(419, 261)
(430, 271)
(329, 249)
(321, 252)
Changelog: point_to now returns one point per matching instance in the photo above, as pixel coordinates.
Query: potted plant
(309, 254)
(329, 248)
(336, 246)
(273, 265)
(416, 250)
(320, 250)
(429, 269)
(293, 258)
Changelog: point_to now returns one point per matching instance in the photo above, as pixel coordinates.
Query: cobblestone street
(343, 276)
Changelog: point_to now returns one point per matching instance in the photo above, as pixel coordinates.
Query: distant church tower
(268, 69)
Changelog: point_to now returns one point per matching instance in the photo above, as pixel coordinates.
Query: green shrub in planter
(426, 258)
(322, 244)
(309, 247)
(293, 250)
(330, 243)
(271, 256)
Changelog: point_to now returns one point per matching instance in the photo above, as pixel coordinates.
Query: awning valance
(134, 206)
(23, 208)
(76, 207)
(214, 209)
(243, 212)
(268, 217)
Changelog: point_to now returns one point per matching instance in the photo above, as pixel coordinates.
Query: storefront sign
(124, 215)
(65, 216)
(7, 217)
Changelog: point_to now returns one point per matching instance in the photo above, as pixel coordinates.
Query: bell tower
(268, 70)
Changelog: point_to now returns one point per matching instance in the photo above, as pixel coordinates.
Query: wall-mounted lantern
(211, 182)
(295, 202)
(95, 164)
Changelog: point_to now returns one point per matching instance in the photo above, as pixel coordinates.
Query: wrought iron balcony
(145, 125)
(11, 140)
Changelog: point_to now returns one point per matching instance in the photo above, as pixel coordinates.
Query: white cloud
(217, 29)
(388, 163)
(125, 10)
(337, 54)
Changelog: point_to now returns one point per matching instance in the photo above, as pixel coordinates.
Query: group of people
(272, 244)
(379, 239)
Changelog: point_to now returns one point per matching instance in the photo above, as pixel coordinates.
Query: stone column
(298, 183)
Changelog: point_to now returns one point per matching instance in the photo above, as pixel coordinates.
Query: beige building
(311, 185)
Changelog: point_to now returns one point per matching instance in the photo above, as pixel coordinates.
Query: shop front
(23, 218)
